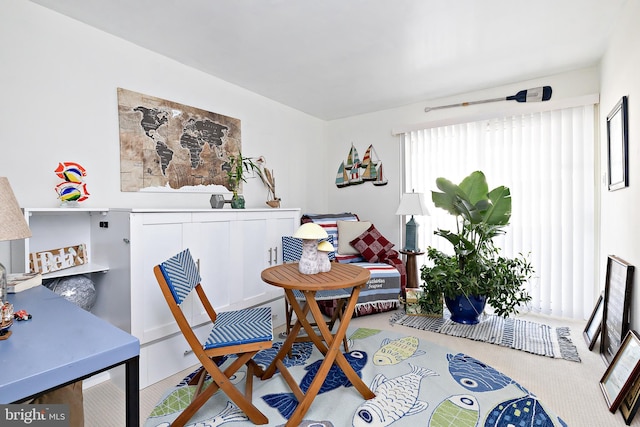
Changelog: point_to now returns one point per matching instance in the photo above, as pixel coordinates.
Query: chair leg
(220, 381)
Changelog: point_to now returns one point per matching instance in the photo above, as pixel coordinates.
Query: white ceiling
(338, 58)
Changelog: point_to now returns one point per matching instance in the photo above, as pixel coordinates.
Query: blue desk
(60, 345)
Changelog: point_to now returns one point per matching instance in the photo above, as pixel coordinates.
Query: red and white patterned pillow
(372, 245)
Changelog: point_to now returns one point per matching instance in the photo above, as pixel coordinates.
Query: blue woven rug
(416, 382)
(519, 334)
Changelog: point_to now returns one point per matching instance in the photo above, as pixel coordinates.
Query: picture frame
(622, 372)
(617, 300)
(631, 402)
(594, 324)
(618, 146)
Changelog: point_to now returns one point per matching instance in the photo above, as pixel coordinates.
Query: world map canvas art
(167, 146)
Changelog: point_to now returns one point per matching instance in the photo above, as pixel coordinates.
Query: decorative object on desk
(464, 392)
(618, 146)
(78, 289)
(349, 172)
(324, 249)
(515, 333)
(476, 271)
(58, 259)
(6, 319)
(13, 226)
(412, 204)
(622, 372)
(536, 94)
(310, 233)
(19, 282)
(617, 304)
(73, 189)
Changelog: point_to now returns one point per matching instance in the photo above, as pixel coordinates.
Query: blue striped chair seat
(240, 327)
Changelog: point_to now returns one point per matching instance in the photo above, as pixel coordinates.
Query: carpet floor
(572, 389)
(416, 382)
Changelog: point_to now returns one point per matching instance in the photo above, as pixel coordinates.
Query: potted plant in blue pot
(476, 274)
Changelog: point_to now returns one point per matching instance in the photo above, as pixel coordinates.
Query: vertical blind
(547, 161)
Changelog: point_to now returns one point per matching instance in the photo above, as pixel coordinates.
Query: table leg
(132, 379)
(336, 339)
(333, 354)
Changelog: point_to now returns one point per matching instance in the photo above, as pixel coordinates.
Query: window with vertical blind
(547, 159)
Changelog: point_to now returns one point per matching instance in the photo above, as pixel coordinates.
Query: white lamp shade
(412, 204)
(12, 223)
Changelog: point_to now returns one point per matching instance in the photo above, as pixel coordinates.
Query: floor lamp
(412, 204)
(12, 226)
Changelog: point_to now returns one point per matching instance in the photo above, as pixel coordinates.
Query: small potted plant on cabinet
(238, 168)
(476, 274)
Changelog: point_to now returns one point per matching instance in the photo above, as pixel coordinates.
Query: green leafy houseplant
(239, 167)
(476, 269)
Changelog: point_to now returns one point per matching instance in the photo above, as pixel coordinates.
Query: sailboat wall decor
(354, 171)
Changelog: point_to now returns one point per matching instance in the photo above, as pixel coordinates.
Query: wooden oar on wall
(536, 94)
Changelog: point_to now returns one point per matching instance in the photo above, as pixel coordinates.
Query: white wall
(59, 103)
(380, 203)
(620, 229)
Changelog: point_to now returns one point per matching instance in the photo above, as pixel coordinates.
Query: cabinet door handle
(275, 251)
(270, 257)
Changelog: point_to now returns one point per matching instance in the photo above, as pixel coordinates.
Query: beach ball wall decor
(354, 171)
(72, 189)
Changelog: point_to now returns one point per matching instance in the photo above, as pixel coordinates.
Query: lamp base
(411, 236)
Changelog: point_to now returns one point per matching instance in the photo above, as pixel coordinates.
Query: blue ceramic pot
(466, 310)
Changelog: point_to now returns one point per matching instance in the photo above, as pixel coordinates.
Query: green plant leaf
(475, 187)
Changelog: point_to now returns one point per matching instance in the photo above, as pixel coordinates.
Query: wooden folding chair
(240, 332)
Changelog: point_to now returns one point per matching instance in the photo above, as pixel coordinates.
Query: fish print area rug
(416, 383)
(519, 334)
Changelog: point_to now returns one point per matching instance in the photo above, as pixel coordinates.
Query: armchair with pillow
(360, 242)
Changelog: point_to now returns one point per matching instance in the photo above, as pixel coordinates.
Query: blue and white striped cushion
(181, 274)
(241, 327)
(292, 249)
(329, 222)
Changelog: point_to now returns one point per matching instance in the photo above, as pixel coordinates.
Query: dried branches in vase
(269, 181)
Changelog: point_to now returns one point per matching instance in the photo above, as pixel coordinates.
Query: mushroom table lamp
(310, 233)
(324, 264)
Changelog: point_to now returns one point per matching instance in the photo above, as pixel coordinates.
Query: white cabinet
(231, 247)
(54, 228)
